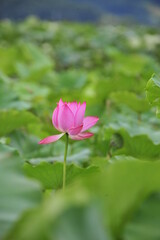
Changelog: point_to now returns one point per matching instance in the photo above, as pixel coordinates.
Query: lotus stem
(65, 160)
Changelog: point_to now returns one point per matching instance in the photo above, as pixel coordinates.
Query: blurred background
(104, 53)
(142, 12)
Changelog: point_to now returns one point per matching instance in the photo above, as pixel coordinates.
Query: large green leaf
(51, 175)
(17, 193)
(134, 140)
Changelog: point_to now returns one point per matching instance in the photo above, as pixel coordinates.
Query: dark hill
(141, 11)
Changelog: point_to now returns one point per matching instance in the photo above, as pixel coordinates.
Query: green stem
(64, 164)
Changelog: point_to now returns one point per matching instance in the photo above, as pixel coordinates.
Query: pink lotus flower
(69, 118)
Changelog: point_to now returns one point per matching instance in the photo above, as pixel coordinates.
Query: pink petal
(80, 114)
(73, 106)
(65, 118)
(55, 117)
(81, 136)
(55, 114)
(61, 103)
(89, 122)
(75, 130)
(50, 139)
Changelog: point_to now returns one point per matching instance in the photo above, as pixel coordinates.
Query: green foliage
(70, 214)
(17, 193)
(11, 120)
(50, 175)
(113, 181)
(131, 100)
(130, 183)
(144, 224)
(153, 90)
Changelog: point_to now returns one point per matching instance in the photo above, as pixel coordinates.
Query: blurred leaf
(31, 92)
(38, 224)
(7, 60)
(131, 100)
(35, 65)
(145, 223)
(129, 182)
(80, 223)
(125, 63)
(71, 79)
(9, 98)
(79, 157)
(11, 120)
(100, 162)
(17, 193)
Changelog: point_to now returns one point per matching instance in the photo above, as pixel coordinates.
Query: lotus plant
(69, 119)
